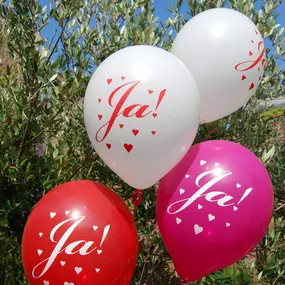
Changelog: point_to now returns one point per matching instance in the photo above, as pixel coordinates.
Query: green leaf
(276, 237)
(44, 9)
(156, 41)
(275, 26)
(55, 153)
(53, 77)
(71, 23)
(268, 155)
(281, 31)
(54, 13)
(179, 3)
(122, 30)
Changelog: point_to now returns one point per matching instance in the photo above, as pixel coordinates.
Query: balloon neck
(183, 282)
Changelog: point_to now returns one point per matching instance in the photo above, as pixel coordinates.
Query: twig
(249, 273)
(280, 207)
(81, 165)
(280, 245)
(52, 118)
(13, 248)
(148, 252)
(277, 278)
(31, 88)
(275, 265)
(153, 271)
(33, 97)
(57, 26)
(56, 43)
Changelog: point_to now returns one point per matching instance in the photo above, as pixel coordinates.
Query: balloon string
(137, 199)
(148, 252)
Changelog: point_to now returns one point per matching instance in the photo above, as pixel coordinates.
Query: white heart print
(52, 214)
(40, 251)
(78, 269)
(217, 164)
(95, 228)
(97, 269)
(99, 251)
(67, 212)
(62, 263)
(200, 207)
(46, 282)
(198, 229)
(238, 185)
(202, 162)
(40, 234)
(67, 283)
(235, 208)
(228, 224)
(178, 221)
(187, 176)
(181, 191)
(211, 217)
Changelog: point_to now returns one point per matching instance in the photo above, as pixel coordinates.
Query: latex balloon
(226, 54)
(141, 112)
(80, 233)
(213, 208)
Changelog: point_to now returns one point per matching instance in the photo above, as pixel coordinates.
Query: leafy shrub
(43, 141)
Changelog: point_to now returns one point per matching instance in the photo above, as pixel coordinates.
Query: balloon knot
(137, 199)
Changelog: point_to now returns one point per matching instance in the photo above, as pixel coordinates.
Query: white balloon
(226, 55)
(141, 112)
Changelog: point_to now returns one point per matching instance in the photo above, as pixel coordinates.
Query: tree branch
(55, 45)
(32, 85)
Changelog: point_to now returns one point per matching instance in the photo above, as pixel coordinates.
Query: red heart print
(154, 115)
(108, 145)
(100, 117)
(252, 41)
(123, 77)
(109, 80)
(128, 147)
(251, 86)
(153, 132)
(135, 132)
(243, 77)
(258, 68)
(256, 32)
(250, 53)
(99, 100)
(150, 91)
(121, 125)
(259, 78)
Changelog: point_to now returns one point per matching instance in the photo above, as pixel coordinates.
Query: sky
(161, 10)
(161, 7)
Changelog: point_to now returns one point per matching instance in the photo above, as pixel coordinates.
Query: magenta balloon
(214, 207)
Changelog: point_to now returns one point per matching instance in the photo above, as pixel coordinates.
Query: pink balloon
(213, 208)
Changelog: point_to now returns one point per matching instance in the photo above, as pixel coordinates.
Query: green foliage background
(43, 141)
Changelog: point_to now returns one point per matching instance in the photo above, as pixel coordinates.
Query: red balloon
(80, 233)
